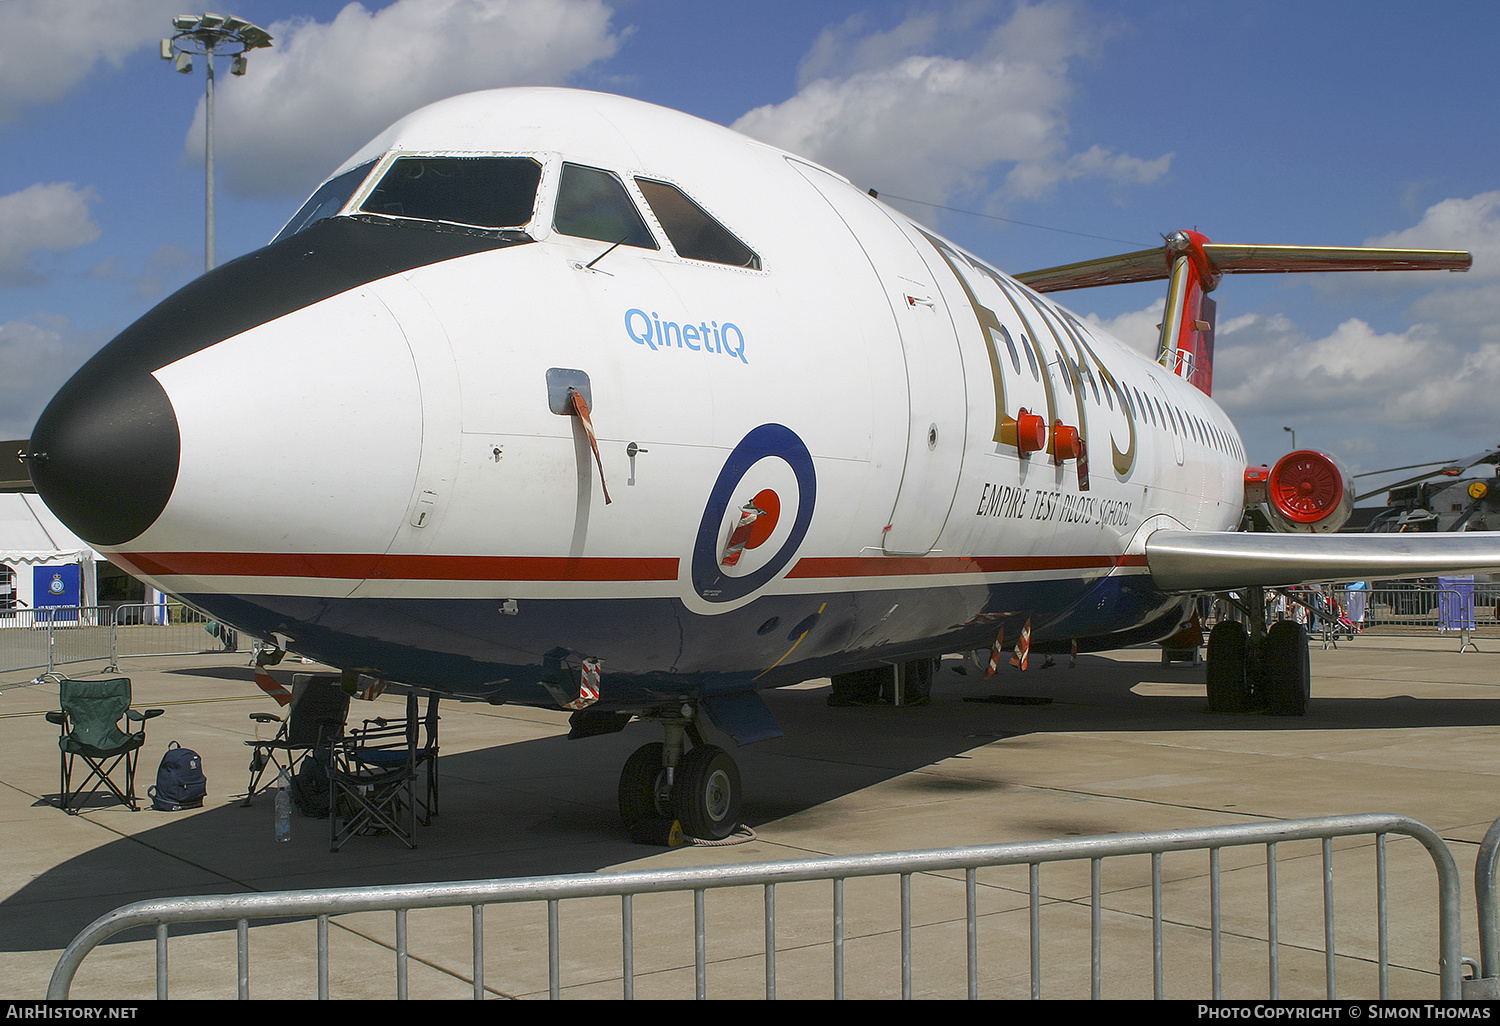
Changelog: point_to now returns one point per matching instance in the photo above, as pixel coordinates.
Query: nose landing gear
(698, 789)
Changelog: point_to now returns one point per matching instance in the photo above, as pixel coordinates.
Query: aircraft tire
(1287, 669)
(643, 794)
(706, 793)
(1228, 669)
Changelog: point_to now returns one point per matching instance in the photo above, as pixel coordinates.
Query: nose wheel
(645, 787)
(706, 793)
(699, 788)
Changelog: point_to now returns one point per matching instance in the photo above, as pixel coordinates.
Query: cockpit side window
(484, 192)
(592, 204)
(694, 232)
(327, 201)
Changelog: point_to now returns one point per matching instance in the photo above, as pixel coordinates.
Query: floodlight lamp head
(210, 21)
(185, 22)
(254, 37)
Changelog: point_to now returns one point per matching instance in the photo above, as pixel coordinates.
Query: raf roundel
(756, 516)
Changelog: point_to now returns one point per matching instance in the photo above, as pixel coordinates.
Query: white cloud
(1139, 329)
(1400, 396)
(324, 89)
(926, 124)
(1472, 224)
(38, 356)
(41, 217)
(46, 47)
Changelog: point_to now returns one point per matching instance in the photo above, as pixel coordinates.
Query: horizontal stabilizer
(1226, 258)
(1224, 561)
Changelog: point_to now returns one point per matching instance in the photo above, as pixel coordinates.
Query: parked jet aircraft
(563, 399)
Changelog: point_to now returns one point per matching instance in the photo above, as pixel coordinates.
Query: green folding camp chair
(90, 724)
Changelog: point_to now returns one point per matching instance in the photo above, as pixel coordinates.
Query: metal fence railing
(1461, 610)
(167, 628)
(950, 921)
(43, 639)
(53, 636)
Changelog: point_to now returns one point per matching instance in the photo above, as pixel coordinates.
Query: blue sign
(57, 585)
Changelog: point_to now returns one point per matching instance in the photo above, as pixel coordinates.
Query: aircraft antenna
(1007, 220)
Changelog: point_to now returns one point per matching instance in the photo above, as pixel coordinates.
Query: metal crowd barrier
(166, 628)
(1416, 610)
(1388, 610)
(963, 896)
(43, 639)
(53, 636)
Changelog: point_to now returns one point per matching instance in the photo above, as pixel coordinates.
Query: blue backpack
(180, 783)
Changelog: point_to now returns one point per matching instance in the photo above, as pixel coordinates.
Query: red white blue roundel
(757, 514)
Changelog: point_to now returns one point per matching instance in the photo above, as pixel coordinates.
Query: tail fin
(1187, 331)
(1194, 266)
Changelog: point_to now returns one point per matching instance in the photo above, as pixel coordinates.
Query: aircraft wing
(1225, 561)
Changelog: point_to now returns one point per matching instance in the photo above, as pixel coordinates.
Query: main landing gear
(665, 782)
(1253, 669)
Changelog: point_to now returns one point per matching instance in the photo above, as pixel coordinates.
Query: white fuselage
(386, 473)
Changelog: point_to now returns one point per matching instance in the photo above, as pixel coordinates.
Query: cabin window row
(1077, 376)
(1148, 408)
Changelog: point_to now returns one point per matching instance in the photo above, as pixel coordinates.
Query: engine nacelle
(1308, 491)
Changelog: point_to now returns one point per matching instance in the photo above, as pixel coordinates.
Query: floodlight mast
(207, 35)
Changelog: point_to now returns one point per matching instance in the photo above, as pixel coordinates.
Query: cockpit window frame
(757, 262)
(631, 199)
(389, 159)
(287, 231)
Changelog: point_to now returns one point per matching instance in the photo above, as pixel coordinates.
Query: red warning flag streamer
(995, 652)
(369, 688)
(740, 536)
(588, 684)
(1023, 647)
(267, 683)
(582, 409)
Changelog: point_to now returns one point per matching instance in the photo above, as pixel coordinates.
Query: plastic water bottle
(283, 807)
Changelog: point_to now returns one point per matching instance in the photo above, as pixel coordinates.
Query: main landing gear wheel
(706, 793)
(1286, 669)
(645, 796)
(1228, 668)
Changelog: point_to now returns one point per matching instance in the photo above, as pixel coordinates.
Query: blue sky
(1107, 123)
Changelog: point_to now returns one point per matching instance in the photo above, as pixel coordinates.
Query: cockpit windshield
(327, 201)
(482, 192)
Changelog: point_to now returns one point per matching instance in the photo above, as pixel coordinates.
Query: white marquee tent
(31, 536)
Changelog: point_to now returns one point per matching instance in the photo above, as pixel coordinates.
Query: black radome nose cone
(105, 454)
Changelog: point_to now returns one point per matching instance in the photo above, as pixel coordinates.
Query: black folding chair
(90, 723)
(427, 753)
(316, 716)
(372, 772)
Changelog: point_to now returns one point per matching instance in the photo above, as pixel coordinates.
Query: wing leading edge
(1225, 561)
